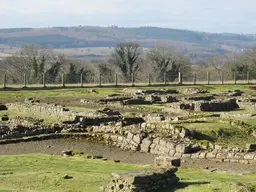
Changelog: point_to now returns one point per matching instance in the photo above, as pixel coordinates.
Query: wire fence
(117, 80)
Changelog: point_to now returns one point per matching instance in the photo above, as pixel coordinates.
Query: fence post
(82, 80)
(165, 82)
(195, 78)
(133, 79)
(208, 78)
(63, 80)
(149, 80)
(248, 77)
(44, 80)
(25, 80)
(222, 78)
(180, 78)
(100, 80)
(5, 81)
(235, 78)
(116, 80)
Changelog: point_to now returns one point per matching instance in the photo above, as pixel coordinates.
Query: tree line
(128, 59)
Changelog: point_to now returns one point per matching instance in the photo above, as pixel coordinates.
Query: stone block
(186, 156)
(239, 155)
(202, 155)
(170, 145)
(249, 156)
(162, 142)
(164, 161)
(177, 154)
(195, 155)
(210, 155)
(182, 148)
(145, 145)
(244, 161)
(137, 139)
(172, 152)
(156, 140)
(221, 156)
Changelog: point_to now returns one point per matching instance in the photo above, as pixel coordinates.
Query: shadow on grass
(183, 185)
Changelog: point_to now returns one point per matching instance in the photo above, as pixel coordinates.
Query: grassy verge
(36, 172)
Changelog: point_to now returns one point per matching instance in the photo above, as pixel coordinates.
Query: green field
(38, 172)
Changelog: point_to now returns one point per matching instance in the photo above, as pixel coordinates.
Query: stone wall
(19, 131)
(43, 108)
(213, 105)
(145, 180)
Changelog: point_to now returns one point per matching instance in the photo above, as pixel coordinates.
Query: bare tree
(107, 72)
(165, 60)
(29, 60)
(216, 62)
(241, 63)
(127, 57)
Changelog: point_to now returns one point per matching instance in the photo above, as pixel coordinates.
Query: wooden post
(63, 79)
(222, 78)
(180, 78)
(235, 78)
(248, 77)
(116, 80)
(25, 80)
(195, 78)
(82, 80)
(99, 80)
(5, 81)
(165, 78)
(44, 80)
(208, 78)
(149, 80)
(133, 79)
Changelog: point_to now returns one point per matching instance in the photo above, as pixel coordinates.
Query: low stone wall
(43, 108)
(214, 105)
(153, 144)
(19, 131)
(145, 180)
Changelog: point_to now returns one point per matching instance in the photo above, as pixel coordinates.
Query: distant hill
(195, 44)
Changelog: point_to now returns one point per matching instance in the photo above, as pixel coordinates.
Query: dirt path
(57, 146)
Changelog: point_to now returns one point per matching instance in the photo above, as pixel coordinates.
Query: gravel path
(57, 146)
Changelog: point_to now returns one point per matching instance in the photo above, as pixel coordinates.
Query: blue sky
(234, 16)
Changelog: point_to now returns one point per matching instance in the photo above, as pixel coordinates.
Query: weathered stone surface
(210, 155)
(221, 156)
(249, 156)
(136, 101)
(216, 105)
(166, 161)
(182, 148)
(145, 145)
(200, 98)
(243, 161)
(142, 181)
(193, 90)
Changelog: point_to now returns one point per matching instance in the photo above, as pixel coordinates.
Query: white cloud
(208, 15)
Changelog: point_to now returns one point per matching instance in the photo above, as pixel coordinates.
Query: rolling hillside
(195, 44)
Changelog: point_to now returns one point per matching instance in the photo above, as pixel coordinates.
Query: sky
(233, 16)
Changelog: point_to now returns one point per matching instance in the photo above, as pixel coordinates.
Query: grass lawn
(103, 91)
(224, 133)
(36, 172)
(45, 173)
